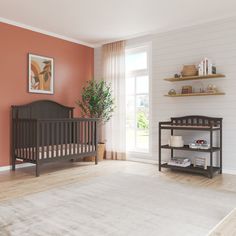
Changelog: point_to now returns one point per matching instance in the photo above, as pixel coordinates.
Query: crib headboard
(42, 109)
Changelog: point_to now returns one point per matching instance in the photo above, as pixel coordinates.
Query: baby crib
(45, 131)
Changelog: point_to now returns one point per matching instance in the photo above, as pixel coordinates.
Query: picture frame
(40, 74)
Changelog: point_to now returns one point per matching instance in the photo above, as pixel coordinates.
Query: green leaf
(97, 101)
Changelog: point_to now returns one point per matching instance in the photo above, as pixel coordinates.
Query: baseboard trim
(18, 166)
(143, 160)
(229, 171)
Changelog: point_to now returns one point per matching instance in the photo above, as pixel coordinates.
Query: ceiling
(94, 22)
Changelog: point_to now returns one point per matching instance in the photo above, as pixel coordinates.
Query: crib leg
(96, 160)
(13, 163)
(37, 170)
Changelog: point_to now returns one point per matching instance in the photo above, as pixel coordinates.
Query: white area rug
(226, 227)
(121, 204)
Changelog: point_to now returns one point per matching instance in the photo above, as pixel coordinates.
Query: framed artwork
(41, 74)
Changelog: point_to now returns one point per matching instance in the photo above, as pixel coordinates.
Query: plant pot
(100, 153)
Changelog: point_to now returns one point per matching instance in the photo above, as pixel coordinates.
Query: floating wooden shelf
(195, 94)
(195, 78)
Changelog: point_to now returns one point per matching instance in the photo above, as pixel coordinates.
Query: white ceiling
(94, 22)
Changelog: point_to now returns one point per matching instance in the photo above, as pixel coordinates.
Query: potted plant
(97, 102)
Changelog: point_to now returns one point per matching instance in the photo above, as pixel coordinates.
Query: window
(137, 99)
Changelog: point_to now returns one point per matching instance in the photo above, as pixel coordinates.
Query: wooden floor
(23, 181)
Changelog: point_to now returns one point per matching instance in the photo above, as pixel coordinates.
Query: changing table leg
(37, 170)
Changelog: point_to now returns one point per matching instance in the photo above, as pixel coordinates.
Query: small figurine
(172, 92)
(211, 88)
(177, 75)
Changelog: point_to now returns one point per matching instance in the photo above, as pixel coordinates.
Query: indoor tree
(97, 102)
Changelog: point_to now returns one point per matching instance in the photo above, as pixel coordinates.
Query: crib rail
(39, 140)
(67, 137)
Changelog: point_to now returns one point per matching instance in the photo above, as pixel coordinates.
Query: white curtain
(114, 73)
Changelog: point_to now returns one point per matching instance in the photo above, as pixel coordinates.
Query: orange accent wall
(74, 65)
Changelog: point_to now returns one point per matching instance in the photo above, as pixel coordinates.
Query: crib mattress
(63, 150)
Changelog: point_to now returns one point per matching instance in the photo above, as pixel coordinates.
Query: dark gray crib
(45, 131)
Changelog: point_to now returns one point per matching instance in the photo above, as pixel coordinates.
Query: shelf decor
(195, 94)
(188, 91)
(194, 123)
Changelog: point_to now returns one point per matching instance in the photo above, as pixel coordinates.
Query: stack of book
(180, 161)
(206, 67)
(200, 162)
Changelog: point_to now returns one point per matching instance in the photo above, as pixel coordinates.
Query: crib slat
(92, 139)
(70, 136)
(24, 139)
(78, 137)
(82, 136)
(61, 137)
(43, 143)
(85, 138)
(47, 126)
(52, 139)
(27, 139)
(82, 129)
(16, 134)
(31, 140)
(66, 138)
(57, 137)
(93, 136)
(89, 135)
(21, 139)
(35, 141)
(29, 129)
(74, 137)
(87, 143)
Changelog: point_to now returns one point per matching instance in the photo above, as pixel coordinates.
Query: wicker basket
(189, 70)
(101, 152)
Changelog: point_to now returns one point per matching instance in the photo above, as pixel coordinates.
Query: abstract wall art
(41, 74)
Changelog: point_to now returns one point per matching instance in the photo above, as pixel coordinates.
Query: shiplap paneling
(170, 51)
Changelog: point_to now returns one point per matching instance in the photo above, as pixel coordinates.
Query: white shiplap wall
(170, 51)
